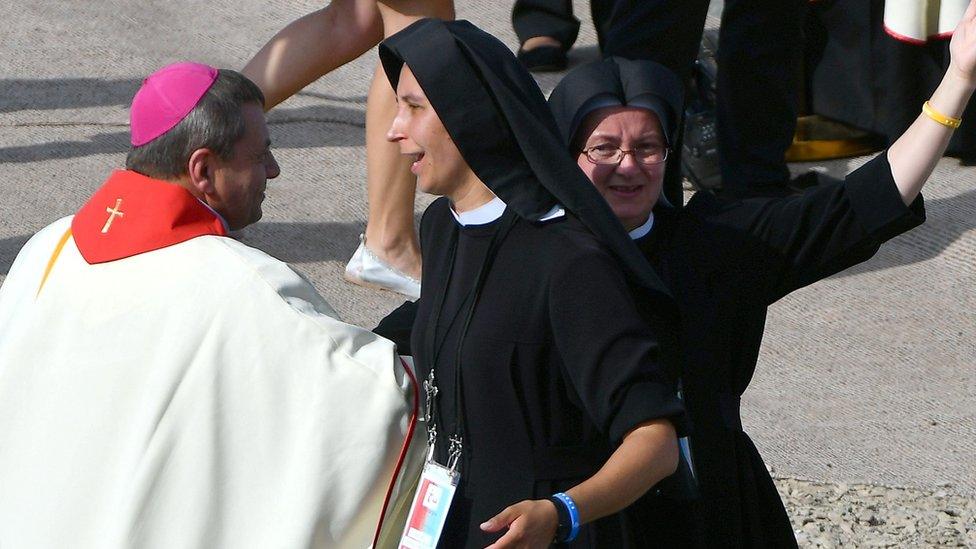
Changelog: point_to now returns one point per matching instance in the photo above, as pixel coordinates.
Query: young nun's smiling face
(418, 130)
(630, 187)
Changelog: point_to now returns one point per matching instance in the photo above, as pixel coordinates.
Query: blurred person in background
(388, 255)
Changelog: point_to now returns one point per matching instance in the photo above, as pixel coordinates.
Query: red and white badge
(431, 503)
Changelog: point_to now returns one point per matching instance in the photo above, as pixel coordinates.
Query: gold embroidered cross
(113, 212)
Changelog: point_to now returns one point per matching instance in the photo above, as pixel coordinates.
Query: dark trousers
(553, 18)
(760, 53)
(666, 31)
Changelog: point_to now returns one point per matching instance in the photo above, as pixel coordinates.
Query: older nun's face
(630, 187)
(421, 135)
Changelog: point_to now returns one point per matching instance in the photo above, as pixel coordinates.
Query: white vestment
(199, 395)
(918, 21)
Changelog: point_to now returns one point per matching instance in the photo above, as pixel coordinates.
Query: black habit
(725, 263)
(550, 386)
(529, 370)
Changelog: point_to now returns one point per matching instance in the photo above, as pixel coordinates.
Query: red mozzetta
(133, 214)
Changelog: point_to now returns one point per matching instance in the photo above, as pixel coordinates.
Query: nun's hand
(530, 523)
(963, 46)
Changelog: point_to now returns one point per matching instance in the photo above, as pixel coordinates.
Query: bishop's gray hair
(216, 123)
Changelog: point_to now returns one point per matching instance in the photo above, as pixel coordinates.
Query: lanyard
(430, 385)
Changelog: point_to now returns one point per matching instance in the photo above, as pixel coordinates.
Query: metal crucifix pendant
(430, 390)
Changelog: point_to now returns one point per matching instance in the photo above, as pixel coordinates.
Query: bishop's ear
(202, 167)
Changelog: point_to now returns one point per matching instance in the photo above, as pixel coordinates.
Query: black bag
(699, 151)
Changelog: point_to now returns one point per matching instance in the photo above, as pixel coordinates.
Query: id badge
(431, 503)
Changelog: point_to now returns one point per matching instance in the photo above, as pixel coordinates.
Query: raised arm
(314, 45)
(914, 155)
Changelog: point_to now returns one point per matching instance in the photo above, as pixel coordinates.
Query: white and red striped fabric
(919, 21)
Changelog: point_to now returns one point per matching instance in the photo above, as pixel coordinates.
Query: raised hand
(963, 46)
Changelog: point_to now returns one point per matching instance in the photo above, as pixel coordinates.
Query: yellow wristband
(947, 121)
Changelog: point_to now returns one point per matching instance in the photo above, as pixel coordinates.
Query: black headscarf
(619, 81)
(499, 120)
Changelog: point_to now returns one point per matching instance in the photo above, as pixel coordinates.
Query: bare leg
(536, 41)
(390, 187)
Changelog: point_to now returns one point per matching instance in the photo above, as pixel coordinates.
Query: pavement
(868, 377)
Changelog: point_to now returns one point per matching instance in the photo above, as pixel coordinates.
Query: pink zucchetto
(166, 97)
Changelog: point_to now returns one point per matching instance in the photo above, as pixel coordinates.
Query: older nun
(725, 262)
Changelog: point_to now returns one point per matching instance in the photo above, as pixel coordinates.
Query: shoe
(818, 138)
(365, 269)
(543, 58)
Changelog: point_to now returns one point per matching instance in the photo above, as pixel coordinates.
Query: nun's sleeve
(398, 326)
(826, 229)
(611, 358)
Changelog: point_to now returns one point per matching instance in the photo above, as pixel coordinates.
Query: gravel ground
(858, 515)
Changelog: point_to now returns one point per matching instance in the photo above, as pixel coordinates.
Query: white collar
(220, 217)
(557, 211)
(641, 232)
(486, 213)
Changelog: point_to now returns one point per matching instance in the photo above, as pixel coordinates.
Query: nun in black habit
(548, 380)
(726, 261)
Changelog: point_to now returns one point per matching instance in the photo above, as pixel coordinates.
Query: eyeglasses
(610, 155)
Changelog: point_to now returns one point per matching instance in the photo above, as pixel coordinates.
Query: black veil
(618, 81)
(498, 118)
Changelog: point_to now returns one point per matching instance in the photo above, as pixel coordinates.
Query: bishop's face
(239, 181)
(630, 187)
(418, 130)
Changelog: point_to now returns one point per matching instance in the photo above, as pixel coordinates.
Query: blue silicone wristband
(574, 517)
